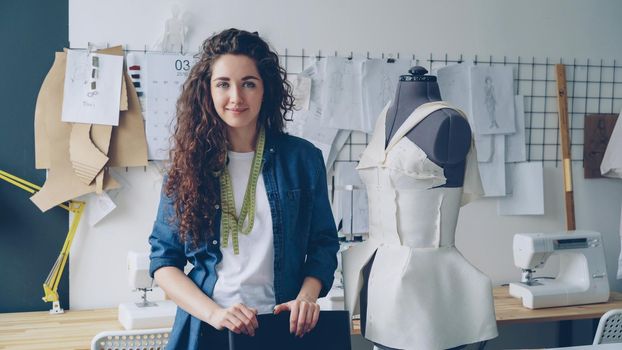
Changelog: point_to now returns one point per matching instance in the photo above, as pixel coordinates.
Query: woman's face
(237, 91)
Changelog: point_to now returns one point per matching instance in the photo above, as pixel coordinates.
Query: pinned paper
(492, 173)
(127, 144)
(302, 92)
(62, 185)
(48, 125)
(86, 159)
(340, 140)
(312, 124)
(92, 88)
(53, 136)
(379, 78)
(515, 146)
(454, 81)
(342, 105)
(98, 206)
(492, 99)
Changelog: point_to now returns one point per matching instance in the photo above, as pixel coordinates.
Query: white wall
(554, 28)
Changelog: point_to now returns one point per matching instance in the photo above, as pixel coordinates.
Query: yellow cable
(76, 207)
(24, 185)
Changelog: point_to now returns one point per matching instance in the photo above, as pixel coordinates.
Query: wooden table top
(510, 310)
(74, 330)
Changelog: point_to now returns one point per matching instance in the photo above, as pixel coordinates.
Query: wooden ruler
(562, 108)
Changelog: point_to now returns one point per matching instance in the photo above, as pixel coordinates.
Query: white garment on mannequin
(422, 293)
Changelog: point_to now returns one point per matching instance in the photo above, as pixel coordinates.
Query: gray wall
(30, 32)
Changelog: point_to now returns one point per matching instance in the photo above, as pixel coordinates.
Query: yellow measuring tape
(50, 286)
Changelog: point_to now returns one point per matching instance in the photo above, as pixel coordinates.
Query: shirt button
(217, 206)
(214, 242)
(271, 150)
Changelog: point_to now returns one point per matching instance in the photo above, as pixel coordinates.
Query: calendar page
(165, 74)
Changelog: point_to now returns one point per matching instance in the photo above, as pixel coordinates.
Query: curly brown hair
(199, 142)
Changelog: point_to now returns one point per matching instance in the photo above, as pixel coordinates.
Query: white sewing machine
(145, 314)
(582, 277)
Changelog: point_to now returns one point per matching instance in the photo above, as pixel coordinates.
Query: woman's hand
(238, 318)
(304, 315)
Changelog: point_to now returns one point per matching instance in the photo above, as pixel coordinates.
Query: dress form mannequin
(444, 136)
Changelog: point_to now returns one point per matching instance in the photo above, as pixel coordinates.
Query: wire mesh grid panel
(593, 86)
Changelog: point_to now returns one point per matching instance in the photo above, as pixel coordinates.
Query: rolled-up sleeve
(323, 243)
(166, 249)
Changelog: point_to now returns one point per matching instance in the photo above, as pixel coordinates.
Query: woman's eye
(222, 84)
(249, 84)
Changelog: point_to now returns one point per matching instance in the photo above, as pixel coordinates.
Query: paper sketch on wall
(454, 81)
(490, 102)
(379, 79)
(492, 99)
(310, 123)
(341, 94)
(335, 84)
(92, 88)
(301, 87)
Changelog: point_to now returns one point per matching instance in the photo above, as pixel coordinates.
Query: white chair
(136, 339)
(609, 328)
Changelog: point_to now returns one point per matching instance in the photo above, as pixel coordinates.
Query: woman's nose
(235, 94)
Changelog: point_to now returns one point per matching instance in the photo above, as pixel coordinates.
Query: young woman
(243, 202)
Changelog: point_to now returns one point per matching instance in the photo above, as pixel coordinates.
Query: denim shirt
(305, 237)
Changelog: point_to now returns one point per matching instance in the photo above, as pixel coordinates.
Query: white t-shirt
(248, 277)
